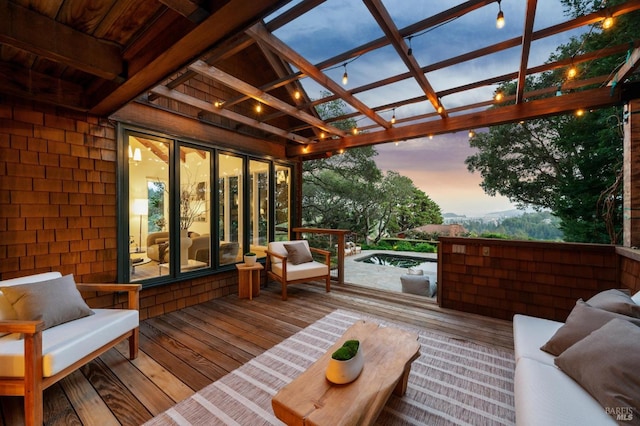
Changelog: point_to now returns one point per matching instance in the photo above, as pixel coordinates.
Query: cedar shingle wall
(500, 278)
(58, 206)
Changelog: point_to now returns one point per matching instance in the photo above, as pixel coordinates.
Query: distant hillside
(516, 224)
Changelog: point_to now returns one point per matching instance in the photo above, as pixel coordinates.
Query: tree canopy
(349, 191)
(571, 165)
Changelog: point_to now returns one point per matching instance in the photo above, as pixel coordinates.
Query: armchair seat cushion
(301, 271)
(67, 343)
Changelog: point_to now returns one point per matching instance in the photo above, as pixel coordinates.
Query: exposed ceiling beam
(40, 35)
(255, 93)
(259, 32)
(526, 47)
(40, 87)
(586, 99)
(206, 106)
(230, 18)
(188, 9)
(387, 25)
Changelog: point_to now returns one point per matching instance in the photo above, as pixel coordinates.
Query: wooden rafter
(630, 65)
(228, 19)
(206, 106)
(385, 22)
(255, 93)
(187, 8)
(259, 32)
(58, 42)
(593, 98)
(526, 47)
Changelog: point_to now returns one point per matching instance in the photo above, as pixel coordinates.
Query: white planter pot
(341, 372)
(250, 260)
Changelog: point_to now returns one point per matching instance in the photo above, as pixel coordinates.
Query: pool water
(397, 260)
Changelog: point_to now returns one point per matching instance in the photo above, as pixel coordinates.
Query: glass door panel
(230, 200)
(195, 212)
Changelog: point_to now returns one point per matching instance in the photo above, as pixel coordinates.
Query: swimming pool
(397, 260)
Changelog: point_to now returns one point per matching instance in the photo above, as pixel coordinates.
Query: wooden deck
(183, 351)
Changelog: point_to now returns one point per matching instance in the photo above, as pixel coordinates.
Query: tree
(570, 165)
(349, 191)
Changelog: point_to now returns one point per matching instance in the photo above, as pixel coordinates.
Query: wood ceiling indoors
(186, 55)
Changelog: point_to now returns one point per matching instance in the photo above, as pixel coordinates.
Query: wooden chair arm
(276, 255)
(132, 289)
(20, 326)
(325, 253)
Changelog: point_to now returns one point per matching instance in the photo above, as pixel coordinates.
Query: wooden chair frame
(283, 279)
(32, 385)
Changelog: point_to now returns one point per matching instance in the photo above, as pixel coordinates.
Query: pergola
(123, 59)
(99, 58)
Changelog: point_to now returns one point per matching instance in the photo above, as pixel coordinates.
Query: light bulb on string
(393, 118)
(608, 21)
(500, 18)
(345, 77)
(410, 50)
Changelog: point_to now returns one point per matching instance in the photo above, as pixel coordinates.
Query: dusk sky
(435, 165)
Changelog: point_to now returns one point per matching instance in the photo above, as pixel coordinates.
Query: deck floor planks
(176, 349)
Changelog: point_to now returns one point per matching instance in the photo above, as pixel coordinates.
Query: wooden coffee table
(311, 399)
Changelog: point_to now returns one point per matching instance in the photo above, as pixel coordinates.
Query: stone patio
(380, 276)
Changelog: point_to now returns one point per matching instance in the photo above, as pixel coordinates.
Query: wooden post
(631, 198)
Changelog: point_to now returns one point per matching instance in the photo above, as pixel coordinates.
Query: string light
(440, 109)
(607, 22)
(499, 96)
(322, 135)
(259, 108)
(296, 94)
(345, 77)
(500, 18)
(410, 50)
(580, 112)
(355, 130)
(218, 103)
(393, 118)
(430, 137)
(572, 72)
(471, 133)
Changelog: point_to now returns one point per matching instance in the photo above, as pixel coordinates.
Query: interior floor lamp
(140, 207)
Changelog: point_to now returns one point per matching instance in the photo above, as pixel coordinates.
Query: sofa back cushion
(55, 301)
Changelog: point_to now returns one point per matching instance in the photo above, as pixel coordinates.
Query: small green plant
(250, 254)
(347, 351)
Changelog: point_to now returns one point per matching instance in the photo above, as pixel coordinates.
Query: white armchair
(290, 262)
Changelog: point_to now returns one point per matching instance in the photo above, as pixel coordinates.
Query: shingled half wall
(58, 205)
(500, 278)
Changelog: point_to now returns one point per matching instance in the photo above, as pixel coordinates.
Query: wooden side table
(247, 277)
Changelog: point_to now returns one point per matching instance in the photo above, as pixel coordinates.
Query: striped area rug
(453, 382)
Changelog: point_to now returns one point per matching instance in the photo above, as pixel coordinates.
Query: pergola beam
(593, 98)
(206, 106)
(255, 93)
(259, 32)
(387, 25)
(526, 47)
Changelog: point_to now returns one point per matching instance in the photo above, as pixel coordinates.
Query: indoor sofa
(47, 331)
(562, 389)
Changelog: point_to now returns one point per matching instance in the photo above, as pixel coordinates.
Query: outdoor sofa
(583, 371)
(47, 331)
